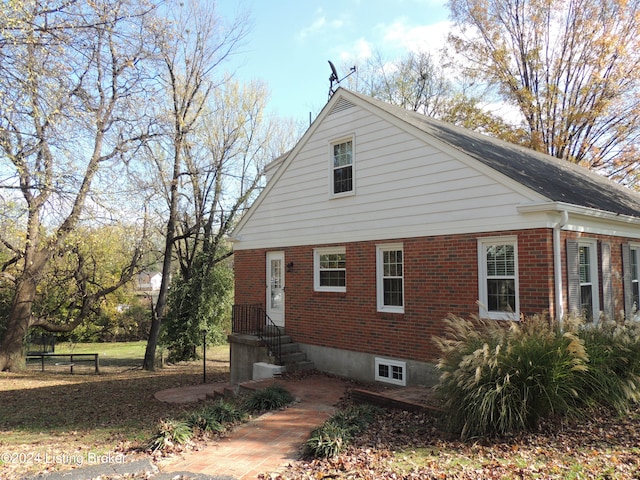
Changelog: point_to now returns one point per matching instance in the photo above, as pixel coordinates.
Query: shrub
(500, 378)
(334, 435)
(613, 378)
(226, 412)
(204, 420)
(270, 398)
(169, 434)
(327, 440)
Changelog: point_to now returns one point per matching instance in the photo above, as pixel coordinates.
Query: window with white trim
(330, 269)
(583, 283)
(631, 279)
(635, 278)
(588, 279)
(390, 278)
(390, 371)
(342, 167)
(498, 278)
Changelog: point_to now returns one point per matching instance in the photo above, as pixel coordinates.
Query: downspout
(557, 265)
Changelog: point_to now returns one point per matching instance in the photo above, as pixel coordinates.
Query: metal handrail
(254, 320)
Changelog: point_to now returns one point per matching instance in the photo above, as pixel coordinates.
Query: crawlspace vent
(341, 106)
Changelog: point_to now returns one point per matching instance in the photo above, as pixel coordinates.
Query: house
(149, 282)
(381, 221)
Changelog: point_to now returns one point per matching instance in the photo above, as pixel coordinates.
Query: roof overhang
(559, 207)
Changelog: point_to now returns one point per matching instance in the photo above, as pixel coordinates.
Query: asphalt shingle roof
(556, 179)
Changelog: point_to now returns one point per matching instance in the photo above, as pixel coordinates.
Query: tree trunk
(161, 305)
(12, 348)
(158, 310)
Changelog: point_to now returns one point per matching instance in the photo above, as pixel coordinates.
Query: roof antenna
(334, 77)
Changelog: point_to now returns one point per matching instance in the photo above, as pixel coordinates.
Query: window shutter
(573, 277)
(607, 292)
(626, 280)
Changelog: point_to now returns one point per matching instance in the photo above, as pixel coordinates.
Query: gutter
(557, 265)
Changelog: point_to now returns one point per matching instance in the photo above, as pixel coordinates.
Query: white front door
(275, 287)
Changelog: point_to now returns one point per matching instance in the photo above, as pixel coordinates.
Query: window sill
(513, 317)
(335, 196)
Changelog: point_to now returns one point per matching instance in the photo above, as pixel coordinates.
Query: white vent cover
(341, 106)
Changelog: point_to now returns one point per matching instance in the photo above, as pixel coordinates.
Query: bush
(170, 433)
(204, 420)
(226, 412)
(270, 398)
(613, 378)
(327, 440)
(500, 378)
(334, 435)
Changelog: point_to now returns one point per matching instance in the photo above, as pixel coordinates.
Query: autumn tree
(571, 67)
(72, 110)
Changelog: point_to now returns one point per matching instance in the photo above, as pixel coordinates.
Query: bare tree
(424, 83)
(71, 81)
(196, 43)
(415, 82)
(571, 67)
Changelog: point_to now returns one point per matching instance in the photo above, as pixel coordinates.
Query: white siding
(404, 186)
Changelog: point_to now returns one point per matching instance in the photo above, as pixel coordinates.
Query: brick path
(271, 441)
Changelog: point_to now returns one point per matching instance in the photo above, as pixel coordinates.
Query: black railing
(253, 320)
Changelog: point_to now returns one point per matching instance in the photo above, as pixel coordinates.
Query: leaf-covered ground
(115, 413)
(404, 445)
(51, 421)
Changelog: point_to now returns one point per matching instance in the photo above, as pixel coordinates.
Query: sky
(291, 41)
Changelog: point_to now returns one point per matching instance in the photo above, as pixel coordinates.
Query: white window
(390, 278)
(342, 173)
(635, 276)
(498, 278)
(583, 284)
(330, 269)
(390, 371)
(631, 279)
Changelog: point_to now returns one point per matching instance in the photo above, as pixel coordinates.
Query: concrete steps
(291, 357)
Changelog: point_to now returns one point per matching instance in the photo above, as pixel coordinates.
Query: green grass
(122, 350)
(114, 354)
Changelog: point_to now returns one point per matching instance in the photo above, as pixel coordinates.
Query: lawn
(47, 415)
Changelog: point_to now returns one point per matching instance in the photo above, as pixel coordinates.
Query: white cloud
(320, 25)
(420, 38)
(360, 50)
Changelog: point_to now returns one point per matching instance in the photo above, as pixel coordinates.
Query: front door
(275, 287)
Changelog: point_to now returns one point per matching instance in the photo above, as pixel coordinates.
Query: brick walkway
(271, 441)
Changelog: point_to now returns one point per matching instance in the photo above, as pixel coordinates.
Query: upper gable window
(342, 167)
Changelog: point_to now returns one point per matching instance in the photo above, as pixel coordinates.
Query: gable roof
(556, 179)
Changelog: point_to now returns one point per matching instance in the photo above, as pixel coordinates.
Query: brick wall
(440, 278)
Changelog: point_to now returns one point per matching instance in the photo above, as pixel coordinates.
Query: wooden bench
(73, 357)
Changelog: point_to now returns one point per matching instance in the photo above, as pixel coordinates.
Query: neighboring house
(149, 282)
(381, 222)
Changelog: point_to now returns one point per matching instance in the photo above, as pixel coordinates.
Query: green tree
(200, 303)
(571, 67)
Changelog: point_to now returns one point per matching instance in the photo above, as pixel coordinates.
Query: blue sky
(290, 42)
